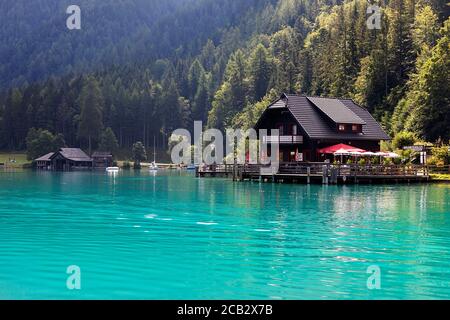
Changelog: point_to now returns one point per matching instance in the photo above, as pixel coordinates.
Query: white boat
(112, 169)
(153, 165)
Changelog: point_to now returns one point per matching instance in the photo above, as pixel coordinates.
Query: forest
(140, 69)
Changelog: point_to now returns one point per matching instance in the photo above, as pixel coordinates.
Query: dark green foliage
(403, 139)
(91, 103)
(108, 141)
(220, 62)
(40, 142)
(139, 154)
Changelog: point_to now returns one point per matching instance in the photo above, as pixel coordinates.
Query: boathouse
(65, 159)
(102, 159)
(309, 124)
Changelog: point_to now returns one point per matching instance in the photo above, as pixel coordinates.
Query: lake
(172, 236)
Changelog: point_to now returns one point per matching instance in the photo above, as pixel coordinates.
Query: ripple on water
(187, 238)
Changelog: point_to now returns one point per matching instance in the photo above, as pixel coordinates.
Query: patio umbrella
(356, 154)
(338, 148)
(342, 153)
(392, 155)
(381, 154)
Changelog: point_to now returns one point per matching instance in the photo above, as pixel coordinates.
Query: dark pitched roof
(314, 123)
(336, 111)
(74, 154)
(45, 157)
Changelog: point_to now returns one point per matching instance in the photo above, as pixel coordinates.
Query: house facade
(308, 124)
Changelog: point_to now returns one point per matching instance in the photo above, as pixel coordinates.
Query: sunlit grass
(440, 176)
(13, 159)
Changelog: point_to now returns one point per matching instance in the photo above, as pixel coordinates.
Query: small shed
(44, 162)
(102, 159)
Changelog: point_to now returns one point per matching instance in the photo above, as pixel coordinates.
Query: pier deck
(323, 173)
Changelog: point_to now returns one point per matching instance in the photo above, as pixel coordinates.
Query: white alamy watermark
(374, 280)
(239, 146)
(374, 20)
(73, 22)
(73, 281)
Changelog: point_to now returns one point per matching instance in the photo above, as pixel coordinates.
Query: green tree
(403, 139)
(108, 141)
(201, 103)
(196, 72)
(260, 72)
(91, 102)
(231, 96)
(425, 109)
(139, 154)
(425, 30)
(40, 142)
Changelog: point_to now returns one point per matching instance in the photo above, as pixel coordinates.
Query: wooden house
(102, 159)
(65, 159)
(308, 124)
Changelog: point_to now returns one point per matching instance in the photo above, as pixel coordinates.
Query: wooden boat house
(65, 159)
(309, 124)
(102, 159)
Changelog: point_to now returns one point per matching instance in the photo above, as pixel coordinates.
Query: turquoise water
(172, 236)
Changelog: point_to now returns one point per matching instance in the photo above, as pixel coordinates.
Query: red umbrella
(340, 147)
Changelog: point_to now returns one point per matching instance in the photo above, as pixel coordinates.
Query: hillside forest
(139, 69)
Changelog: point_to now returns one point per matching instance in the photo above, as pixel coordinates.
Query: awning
(340, 147)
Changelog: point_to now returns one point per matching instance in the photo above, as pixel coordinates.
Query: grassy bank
(13, 159)
(440, 177)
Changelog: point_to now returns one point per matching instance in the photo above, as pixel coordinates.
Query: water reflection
(171, 235)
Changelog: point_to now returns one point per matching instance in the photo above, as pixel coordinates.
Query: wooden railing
(325, 169)
(439, 169)
(290, 139)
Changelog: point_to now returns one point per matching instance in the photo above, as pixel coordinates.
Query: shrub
(126, 165)
(440, 156)
(403, 139)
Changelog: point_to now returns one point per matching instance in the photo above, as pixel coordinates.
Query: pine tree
(196, 71)
(259, 72)
(91, 102)
(426, 106)
(108, 141)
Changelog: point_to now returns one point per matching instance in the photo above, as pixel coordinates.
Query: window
(294, 129)
(355, 128)
(341, 127)
(280, 128)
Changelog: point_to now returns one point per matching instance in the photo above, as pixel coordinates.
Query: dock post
(308, 171)
(324, 174)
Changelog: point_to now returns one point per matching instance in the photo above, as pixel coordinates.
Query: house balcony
(283, 139)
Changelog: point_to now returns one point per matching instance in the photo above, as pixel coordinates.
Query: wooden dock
(322, 173)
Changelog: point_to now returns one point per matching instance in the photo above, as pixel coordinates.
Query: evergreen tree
(139, 154)
(91, 102)
(425, 109)
(108, 141)
(259, 72)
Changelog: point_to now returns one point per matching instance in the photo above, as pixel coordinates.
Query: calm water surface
(172, 236)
